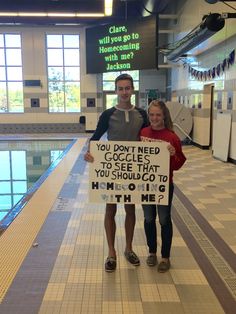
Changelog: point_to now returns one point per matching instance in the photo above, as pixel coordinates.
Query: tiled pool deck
(52, 255)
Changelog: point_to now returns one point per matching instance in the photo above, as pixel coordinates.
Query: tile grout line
(216, 240)
(188, 228)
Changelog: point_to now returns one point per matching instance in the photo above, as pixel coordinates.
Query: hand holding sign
(88, 157)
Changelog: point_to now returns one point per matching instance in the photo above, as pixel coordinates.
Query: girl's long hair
(167, 119)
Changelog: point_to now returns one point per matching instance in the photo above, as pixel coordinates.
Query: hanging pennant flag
(216, 70)
(232, 57)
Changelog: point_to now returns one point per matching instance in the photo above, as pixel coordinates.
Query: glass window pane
(72, 95)
(19, 187)
(14, 73)
(54, 41)
(5, 188)
(55, 57)
(2, 73)
(110, 76)
(5, 202)
(4, 165)
(55, 73)
(3, 97)
(71, 41)
(56, 96)
(13, 57)
(108, 86)
(134, 74)
(71, 57)
(2, 57)
(1, 40)
(18, 165)
(111, 101)
(136, 85)
(56, 87)
(15, 97)
(2, 214)
(16, 198)
(56, 107)
(54, 154)
(13, 40)
(3, 109)
(133, 101)
(72, 73)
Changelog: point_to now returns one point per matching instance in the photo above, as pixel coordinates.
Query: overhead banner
(129, 172)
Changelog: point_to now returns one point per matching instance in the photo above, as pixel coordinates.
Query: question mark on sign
(160, 197)
(131, 54)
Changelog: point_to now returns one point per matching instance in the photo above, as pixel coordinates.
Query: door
(208, 94)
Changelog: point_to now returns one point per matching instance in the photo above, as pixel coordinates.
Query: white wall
(207, 55)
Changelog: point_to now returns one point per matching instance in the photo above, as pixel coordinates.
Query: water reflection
(22, 164)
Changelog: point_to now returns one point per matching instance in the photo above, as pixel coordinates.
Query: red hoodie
(149, 135)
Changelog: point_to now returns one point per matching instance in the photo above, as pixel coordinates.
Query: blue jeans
(164, 215)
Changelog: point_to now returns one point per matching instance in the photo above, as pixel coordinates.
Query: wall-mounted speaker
(35, 103)
(91, 102)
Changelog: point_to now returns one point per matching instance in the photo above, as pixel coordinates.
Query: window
(13, 180)
(54, 154)
(63, 61)
(11, 81)
(110, 97)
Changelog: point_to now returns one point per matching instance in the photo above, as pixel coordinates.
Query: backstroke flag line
(129, 172)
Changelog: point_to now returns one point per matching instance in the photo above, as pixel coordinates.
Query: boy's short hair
(124, 76)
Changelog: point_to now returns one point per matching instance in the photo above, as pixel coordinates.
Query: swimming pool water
(21, 164)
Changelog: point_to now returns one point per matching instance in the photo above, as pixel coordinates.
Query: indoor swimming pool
(23, 166)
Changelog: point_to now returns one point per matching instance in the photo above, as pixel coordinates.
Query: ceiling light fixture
(108, 4)
(9, 14)
(61, 14)
(90, 14)
(30, 14)
(53, 14)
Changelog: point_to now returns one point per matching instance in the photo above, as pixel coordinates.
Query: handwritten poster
(129, 172)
